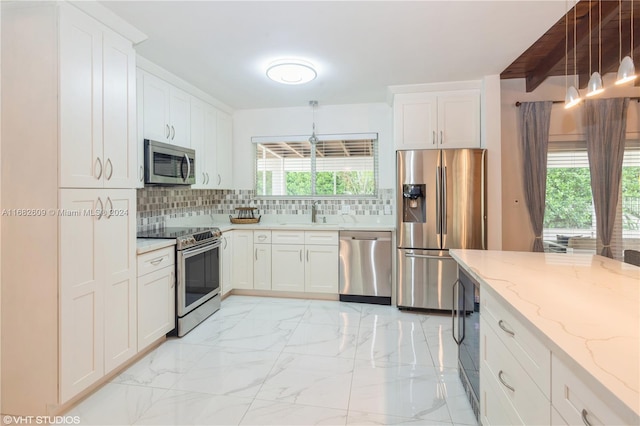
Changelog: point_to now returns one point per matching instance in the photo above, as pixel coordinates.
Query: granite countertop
(585, 308)
(145, 245)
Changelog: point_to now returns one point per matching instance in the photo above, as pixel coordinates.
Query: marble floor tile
(229, 371)
(333, 313)
(277, 361)
(284, 413)
(164, 365)
(361, 418)
(277, 312)
(192, 408)
(444, 350)
(116, 404)
(258, 334)
(394, 342)
(410, 391)
(309, 380)
(324, 340)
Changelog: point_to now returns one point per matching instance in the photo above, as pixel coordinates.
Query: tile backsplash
(156, 204)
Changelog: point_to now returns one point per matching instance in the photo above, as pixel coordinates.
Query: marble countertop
(585, 308)
(145, 245)
(307, 226)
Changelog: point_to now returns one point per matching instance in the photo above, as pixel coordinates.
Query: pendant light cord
(600, 37)
(566, 46)
(620, 30)
(575, 59)
(589, 37)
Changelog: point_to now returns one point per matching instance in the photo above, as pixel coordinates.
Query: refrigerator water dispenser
(413, 207)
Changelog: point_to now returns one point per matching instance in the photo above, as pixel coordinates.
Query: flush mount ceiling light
(291, 71)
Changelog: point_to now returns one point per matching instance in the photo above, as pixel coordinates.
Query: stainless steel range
(197, 272)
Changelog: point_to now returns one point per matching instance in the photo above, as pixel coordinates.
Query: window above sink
(336, 166)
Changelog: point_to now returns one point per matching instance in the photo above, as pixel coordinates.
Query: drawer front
(511, 381)
(262, 237)
(573, 399)
(524, 346)
(156, 260)
(287, 237)
(328, 238)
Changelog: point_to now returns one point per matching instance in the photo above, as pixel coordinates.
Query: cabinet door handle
(219, 179)
(433, 139)
(110, 164)
(225, 243)
(100, 211)
(173, 279)
(110, 208)
(441, 137)
(173, 133)
(262, 237)
(207, 177)
(98, 163)
(168, 131)
(256, 255)
(300, 255)
(141, 173)
(585, 420)
(204, 178)
(505, 329)
(156, 261)
(505, 384)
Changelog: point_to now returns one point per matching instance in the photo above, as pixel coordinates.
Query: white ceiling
(359, 47)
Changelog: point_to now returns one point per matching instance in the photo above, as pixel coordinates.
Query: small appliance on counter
(245, 215)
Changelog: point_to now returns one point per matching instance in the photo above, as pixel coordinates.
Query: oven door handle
(200, 249)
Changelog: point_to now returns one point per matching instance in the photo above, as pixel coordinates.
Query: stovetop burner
(185, 237)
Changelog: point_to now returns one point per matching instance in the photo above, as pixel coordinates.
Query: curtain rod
(634, 98)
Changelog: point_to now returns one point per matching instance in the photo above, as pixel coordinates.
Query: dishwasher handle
(365, 236)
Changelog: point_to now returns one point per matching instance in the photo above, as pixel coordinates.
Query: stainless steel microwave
(166, 164)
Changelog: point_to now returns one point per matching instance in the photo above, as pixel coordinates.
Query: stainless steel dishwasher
(365, 267)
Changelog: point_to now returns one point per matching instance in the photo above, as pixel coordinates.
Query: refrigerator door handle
(438, 199)
(444, 201)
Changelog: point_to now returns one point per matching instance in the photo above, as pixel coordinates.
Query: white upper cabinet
(437, 120)
(223, 153)
(97, 105)
(198, 142)
(166, 112)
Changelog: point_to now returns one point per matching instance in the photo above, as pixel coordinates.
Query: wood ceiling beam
(583, 30)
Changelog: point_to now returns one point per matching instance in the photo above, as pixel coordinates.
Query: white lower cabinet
(226, 280)
(576, 402)
(262, 260)
(156, 295)
(97, 285)
(287, 269)
(321, 269)
(508, 389)
(242, 259)
(277, 260)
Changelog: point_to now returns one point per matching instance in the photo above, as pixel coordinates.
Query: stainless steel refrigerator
(441, 205)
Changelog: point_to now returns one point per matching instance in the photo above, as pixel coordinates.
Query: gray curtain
(534, 118)
(605, 123)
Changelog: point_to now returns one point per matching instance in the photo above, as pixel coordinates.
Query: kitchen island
(584, 311)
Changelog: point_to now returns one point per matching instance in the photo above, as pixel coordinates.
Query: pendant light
(594, 87)
(573, 96)
(313, 139)
(627, 69)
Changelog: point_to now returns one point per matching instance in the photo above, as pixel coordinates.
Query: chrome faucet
(314, 211)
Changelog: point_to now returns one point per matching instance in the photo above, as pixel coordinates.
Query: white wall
(491, 140)
(354, 118)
